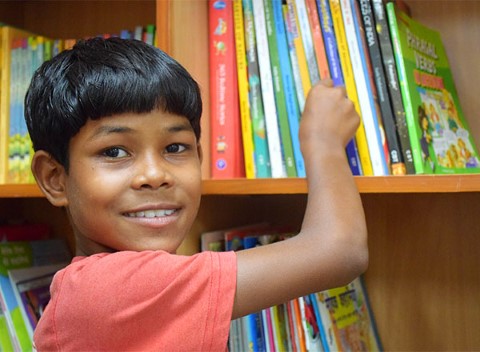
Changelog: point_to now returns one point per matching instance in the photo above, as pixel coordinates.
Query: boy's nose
(152, 173)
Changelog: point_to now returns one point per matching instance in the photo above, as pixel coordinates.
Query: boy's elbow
(358, 258)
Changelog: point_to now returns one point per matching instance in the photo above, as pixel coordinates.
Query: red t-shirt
(141, 301)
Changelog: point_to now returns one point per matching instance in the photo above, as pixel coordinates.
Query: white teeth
(152, 213)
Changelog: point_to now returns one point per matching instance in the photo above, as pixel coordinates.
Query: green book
(280, 100)
(441, 140)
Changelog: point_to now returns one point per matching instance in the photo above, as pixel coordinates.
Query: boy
(115, 126)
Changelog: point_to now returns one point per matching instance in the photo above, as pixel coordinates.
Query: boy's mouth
(158, 213)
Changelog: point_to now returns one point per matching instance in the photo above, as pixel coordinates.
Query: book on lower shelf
(347, 321)
(31, 287)
(331, 320)
(440, 137)
(18, 255)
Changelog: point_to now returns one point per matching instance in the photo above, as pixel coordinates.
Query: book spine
(293, 57)
(336, 73)
(14, 154)
(374, 138)
(317, 37)
(321, 328)
(278, 86)
(409, 113)
(291, 102)
(242, 78)
(6, 343)
(346, 65)
(273, 134)
(226, 146)
(307, 40)
(262, 157)
(299, 48)
(370, 81)
(394, 148)
(393, 85)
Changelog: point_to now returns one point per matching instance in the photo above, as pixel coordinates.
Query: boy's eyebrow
(105, 130)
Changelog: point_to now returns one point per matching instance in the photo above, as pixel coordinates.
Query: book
(349, 79)
(278, 88)
(226, 148)
(8, 126)
(364, 91)
(439, 134)
(31, 287)
(310, 325)
(317, 37)
(5, 338)
(262, 156)
(242, 79)
(24, 254)
(277, 164)
(291, 101)
(333, 61)
(390, 69)
(347, 319)
(24, 232)
(397, 165)
(300, 9)
(300, 60)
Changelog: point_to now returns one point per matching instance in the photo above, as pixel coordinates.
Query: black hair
(104, 77)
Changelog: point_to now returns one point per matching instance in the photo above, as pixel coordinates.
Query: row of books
(265, 55)
(21, 53)
(332, 320)
(29, 258)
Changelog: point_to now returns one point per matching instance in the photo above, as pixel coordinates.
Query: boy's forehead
(128, 121)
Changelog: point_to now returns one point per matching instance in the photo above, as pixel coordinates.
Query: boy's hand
(329, 118)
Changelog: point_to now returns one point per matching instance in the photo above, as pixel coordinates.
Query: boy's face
(134, 182)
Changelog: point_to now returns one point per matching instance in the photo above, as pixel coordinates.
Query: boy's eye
(115, 152)
(175, 148)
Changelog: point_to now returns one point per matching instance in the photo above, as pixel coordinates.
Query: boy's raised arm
(331, 248)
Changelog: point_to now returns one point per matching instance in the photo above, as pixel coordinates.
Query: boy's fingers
(327, 82)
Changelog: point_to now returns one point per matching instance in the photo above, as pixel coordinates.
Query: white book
(266, 81)
(306, 34)
(368, 112)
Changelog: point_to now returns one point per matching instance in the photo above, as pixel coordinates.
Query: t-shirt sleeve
(141, 301)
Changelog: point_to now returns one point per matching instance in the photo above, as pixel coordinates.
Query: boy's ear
(51, 177)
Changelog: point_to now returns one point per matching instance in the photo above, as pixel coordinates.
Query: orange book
(317, 38)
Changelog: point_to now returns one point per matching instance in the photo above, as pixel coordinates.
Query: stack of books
(265, 55)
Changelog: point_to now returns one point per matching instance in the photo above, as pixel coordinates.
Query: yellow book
(245, 118)
(8, 135)
(360, 136)
(297, 41)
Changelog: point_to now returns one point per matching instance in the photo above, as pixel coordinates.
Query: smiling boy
(116, 129)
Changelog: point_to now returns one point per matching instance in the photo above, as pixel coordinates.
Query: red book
(24, 232)
(226, 150)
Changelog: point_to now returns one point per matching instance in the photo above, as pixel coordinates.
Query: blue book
(254, 321)
(293, 110)
(336, 74)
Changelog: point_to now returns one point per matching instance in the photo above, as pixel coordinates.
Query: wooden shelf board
(366, 184)
(386, 184)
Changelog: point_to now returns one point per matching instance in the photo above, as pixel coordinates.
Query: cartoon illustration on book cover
(443, 133)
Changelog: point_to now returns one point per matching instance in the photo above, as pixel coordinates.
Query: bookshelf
(423, 279)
